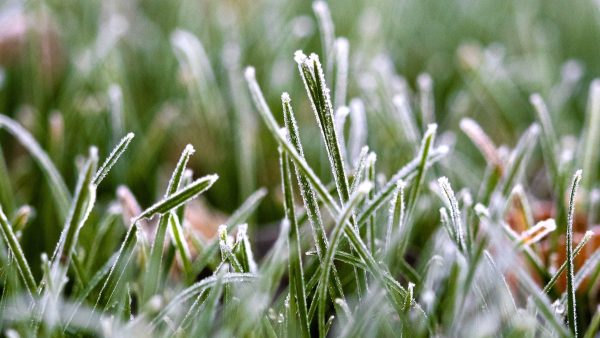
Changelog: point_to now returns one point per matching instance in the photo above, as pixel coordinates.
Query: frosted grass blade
(571, 305)
(83, 203)
(296, 272)
(271, 124)
(180, 197)
(314, 81)
(114, 156)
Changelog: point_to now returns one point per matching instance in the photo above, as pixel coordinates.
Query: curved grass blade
(62, 198)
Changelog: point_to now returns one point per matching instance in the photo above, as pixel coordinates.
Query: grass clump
(394, 215)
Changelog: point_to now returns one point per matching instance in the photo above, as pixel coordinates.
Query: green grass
(397, 181)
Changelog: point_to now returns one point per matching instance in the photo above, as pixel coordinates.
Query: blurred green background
(81, 73)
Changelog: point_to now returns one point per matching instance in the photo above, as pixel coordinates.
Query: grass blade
(306, 191)
(296, 272)
(452, 204)
(180, 243)
(406, 174)
(117, 270)
(15, 248)
(571, 305)
(314, 81)
(299, 161)
(112, 158)
(336, 236)
(180, 197)
(83, 203)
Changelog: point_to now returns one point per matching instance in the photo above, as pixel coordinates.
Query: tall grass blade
(571, 305)
(314, 81)
(296, 272)
(308, 195)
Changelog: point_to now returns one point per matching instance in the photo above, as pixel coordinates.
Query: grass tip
(250, 73)
(285, 98)
(443, 181)
(189, 149)
(595, 87)
(424, 80)
(300, 57)
(431, 128)
(320, 7)
(536, 99)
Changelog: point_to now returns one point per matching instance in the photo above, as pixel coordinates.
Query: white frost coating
(454, 208)
(250, 73)
(481, 210)
(300, 57)
(285, 97)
